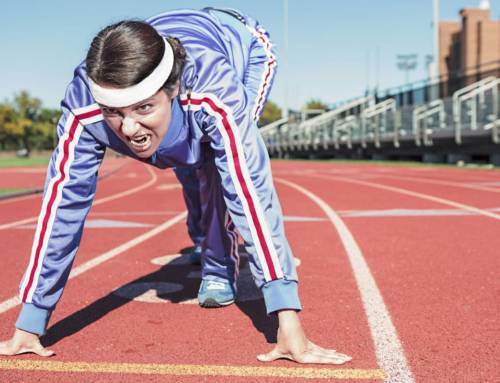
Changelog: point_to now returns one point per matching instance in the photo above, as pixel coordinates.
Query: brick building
(469, 48)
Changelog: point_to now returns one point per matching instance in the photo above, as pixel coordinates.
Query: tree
(7, 116)
(24, 124)
(45, 128)
(315, 104)
(271, 112)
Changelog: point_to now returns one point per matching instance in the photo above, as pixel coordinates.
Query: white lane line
(18, 199)
(446, 183)
(38, 192)
(388, 349)
(132, 213)
(410, 213)
(14, 301)
(488, 183)
(411, 193)
(101, 224)
(18, 223)
(112, 197)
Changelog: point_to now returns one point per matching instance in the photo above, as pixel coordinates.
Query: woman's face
(143, 125)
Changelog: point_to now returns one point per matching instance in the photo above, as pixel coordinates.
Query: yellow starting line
(188, 369)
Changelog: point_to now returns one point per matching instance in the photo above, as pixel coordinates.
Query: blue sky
(332, 52)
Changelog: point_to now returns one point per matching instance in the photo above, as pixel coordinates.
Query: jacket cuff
(33, 319)
(281, 294)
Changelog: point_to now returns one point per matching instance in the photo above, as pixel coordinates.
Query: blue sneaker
(215, 294)
(195, 256)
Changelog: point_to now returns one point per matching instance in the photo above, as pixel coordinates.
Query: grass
(41, 161)
(12, 162)
(11, 191)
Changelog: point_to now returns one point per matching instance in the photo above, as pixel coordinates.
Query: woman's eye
(109, 111)
(145, 107)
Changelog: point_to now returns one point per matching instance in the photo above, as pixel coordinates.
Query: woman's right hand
(24, 342)
(294, 345)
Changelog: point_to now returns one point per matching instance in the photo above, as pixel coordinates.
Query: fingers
(315, 354)
(40, 350)
(273, 355)
(328, 352)
(6, 348)
(314, 346)
(331, 353)
(315, 358)
(312, 355)
(10, 349)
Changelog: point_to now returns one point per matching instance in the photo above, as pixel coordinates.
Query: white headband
(121, 97)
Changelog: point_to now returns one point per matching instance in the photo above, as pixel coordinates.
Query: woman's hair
(125, 53)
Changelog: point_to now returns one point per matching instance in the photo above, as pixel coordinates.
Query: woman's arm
(69, 191)
(223, 108)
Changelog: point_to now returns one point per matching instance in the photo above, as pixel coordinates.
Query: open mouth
(141, 143)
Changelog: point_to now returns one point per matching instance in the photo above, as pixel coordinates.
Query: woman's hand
(294, 345)
(23, 342)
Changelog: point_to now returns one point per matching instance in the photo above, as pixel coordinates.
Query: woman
(184, 88)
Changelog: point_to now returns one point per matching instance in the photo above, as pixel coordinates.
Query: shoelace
(214, 285)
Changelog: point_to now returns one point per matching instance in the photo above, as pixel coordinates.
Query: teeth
(141, 141)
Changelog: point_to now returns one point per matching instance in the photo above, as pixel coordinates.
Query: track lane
(436, 197)
(16, 258)
(171, 333)
(407, 305)
(24, 210)
(462, 184)
(436, 275)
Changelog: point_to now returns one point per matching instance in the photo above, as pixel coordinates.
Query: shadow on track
(174, 274)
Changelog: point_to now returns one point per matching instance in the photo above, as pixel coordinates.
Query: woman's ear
(175, 92)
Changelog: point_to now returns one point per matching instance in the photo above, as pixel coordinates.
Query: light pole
(284, 112)
(407, 63)
(434, 72)
(434, 63)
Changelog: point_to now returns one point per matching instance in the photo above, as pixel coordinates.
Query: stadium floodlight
(407, 63)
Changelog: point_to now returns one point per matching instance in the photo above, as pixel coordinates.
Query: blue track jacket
(214, 107)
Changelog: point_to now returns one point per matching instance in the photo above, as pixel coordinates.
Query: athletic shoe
(195, 256)
(215, 294)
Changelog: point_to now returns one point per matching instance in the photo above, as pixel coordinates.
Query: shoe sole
(213, 304)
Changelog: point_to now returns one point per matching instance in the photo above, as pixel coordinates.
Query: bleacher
(444, 125)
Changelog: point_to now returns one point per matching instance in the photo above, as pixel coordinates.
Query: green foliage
(271, 112)
(315, 104)
(13, 162)
(25, 124)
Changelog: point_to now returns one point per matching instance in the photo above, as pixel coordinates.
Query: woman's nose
(130, 126)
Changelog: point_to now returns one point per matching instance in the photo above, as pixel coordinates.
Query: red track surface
(438, 276)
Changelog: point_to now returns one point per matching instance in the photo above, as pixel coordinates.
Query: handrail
(376, 110)
(423, 112)
(362, 122)
(341, 109)
(273, 124)
(458, 98)
(388, 104)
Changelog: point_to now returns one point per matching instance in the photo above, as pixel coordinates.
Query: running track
(398, 268)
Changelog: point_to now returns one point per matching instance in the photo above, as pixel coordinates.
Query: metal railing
(472, 112)
(423, 117)
(467, 93)
(377, 120)
(471, 103)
